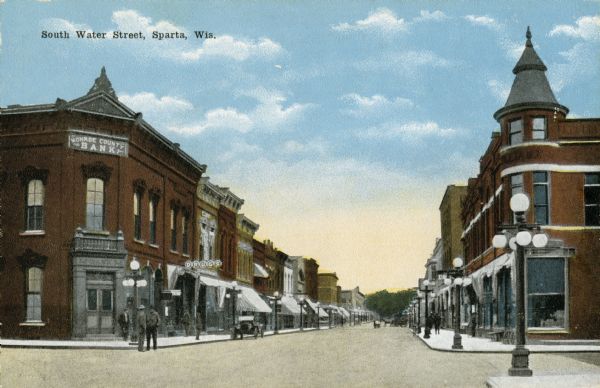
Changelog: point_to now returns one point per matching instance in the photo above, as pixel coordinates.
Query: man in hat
(141, 327)
(152, 322)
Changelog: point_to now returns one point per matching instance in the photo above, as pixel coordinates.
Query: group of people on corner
(147, 324)
(434, 321)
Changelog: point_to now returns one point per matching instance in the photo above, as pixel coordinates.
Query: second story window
(173, 229)
(591, 193)
(152, 218)
(540, 197)
(184, 234)
(516, 131)
(34, 212)
(94, 211)
(538, 128)
(137, 216)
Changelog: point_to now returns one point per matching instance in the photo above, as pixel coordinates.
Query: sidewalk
(163, 342)
(444, 340)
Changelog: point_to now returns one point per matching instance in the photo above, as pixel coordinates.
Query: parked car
(247, 325)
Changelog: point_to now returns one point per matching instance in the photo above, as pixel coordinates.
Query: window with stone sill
(516, 131)
(540, 197)
(33, 306)
(591, 192)
(538, 128)
(152, 218)
(34, 212)
(95, 204)
(137, 216)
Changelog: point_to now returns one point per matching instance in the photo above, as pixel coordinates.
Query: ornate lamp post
(456, 274)
(134, 279)
(301, 302)
(276, 299)
(318, 316)
(426, 290)
(419, 297)
(518, 237)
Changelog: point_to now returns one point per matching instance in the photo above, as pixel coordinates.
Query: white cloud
(270, 114)
(217, 119)
(57, 24)
(365, 105)
(499, 89)
(239, 50)
(586, 28)
(239, 148)
(484, 21)
(382, 20)
(580, 63)
(409, 131)
(147, 102)
(431, 16)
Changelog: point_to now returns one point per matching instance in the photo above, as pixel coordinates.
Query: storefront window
(546, 292)
(505, 308)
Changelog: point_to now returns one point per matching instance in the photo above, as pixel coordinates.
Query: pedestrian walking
(198, 322)
(187, 323)
(141, 327)
(152, 322)
(123, 320)
(437, 322)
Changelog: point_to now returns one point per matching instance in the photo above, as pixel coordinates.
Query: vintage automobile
(247, 325)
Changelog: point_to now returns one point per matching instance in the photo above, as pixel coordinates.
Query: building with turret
(555, 161)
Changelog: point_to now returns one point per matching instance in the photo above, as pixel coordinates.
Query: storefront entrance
(100, 288)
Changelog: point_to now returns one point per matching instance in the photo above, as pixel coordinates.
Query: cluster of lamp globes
(134, 265)
(519, 203)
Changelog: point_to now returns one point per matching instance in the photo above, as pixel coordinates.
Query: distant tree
(388, 304)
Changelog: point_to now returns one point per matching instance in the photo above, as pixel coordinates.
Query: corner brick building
(556, 162)
(87, 186)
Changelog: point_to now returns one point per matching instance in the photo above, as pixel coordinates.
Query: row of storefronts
(555, 162)
(88, 189)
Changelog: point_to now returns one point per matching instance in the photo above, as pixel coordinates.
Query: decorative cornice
(30, 173)
(96, 170)
(31, 258)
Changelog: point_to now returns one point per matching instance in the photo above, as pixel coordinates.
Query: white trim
(571, 228)
(33, 233)
(549, 167)
(529, 144)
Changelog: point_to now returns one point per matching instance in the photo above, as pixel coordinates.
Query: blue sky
(340, 124)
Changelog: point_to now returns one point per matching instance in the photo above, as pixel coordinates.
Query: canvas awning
(289, 306)
(260, 271)
(345, 312)
(249, 300)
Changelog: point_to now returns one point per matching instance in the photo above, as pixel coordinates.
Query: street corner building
(555, 161)
(86, 185)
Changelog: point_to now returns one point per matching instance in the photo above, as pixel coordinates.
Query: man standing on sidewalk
(198, 322)
(141, 327)
(152, 322)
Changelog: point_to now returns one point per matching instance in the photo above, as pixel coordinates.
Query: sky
(339, 123)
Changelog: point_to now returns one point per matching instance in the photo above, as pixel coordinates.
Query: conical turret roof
(530, 88)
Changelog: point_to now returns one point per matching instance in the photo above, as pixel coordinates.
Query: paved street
(356, 357)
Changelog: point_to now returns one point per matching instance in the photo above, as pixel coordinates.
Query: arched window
(34, 294)
(95, 204)
(152, 219)
(34, 212)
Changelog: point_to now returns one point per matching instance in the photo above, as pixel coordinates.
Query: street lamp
(456, 274)
(318, 316)
(419, 297)
(301, 302)
(232, 295)
(427, 323)
(518, 237)
(276, 299)
(135, 279)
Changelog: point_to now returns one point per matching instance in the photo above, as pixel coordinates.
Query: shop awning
(345, 312)
(214, 282)
(173, 272)
(260, 271)
(289, 306)
(249, 300)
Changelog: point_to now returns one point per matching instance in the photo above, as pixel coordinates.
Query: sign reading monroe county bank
(98, 143)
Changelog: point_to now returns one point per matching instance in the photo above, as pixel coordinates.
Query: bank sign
(98, 143)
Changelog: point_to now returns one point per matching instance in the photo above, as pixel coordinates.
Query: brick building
(88, 186)
(311, 282)
(556, 162)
